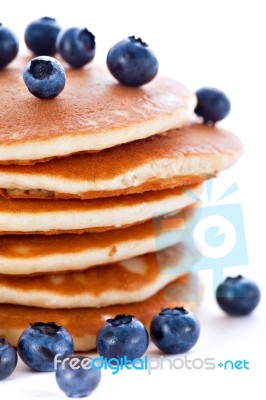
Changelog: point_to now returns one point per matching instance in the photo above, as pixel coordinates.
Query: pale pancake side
(36, 254)
(85, 323)
(179, 157)
(129, 281)
(63, 216)
(93, 112)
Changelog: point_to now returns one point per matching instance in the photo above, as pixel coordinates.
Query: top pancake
(93, 112)
(179, 157)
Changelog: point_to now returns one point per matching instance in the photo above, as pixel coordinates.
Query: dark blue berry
(76, 46)
(76, 377)
(44, 77)
(41, 342)
(174, 330)
(213, 105)
(122, 336)
(8, 46)
(132, 62)
(8, 359)
(238, 296)
(40, 36)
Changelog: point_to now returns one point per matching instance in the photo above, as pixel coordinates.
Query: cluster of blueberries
(130, 61)
(172, 330)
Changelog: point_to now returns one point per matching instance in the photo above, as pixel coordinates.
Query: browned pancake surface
(208, 148)
(91, 103)
(21, 206)
(143, 270)
(85, 323)
(43, 245)
(193, 140)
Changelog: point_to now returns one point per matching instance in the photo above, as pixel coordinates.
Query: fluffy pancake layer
(36, 254)
(93, 112)
(74, 216)
(85, 323)
(131, 280)
(179, 157)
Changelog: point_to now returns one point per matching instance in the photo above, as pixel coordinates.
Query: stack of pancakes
(94, 208)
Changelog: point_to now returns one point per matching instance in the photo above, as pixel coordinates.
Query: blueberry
(8, 359)
(76, 46)
(213, 105)
(131, 62)
(44, 77)
(76, 377)
(40, 36)
(238, 296)
(8, 46)
(174, 330)
(41, 342)
(122, 336)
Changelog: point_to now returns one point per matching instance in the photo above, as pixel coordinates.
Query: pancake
(180, 157)
(35, 254)
(94, 112)
(76, 216)
(85, 323)
(128, 281)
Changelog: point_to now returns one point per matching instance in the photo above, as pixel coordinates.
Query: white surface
(201, 43)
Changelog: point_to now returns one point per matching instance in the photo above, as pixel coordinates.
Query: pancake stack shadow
(96, 214)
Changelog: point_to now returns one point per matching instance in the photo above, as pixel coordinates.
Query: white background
(201, 43)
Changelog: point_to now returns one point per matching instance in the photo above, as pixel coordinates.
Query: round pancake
(180, 157)
(131, 280)
(85, 323)
(76, 216)
(94, 112)
(35, 254)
